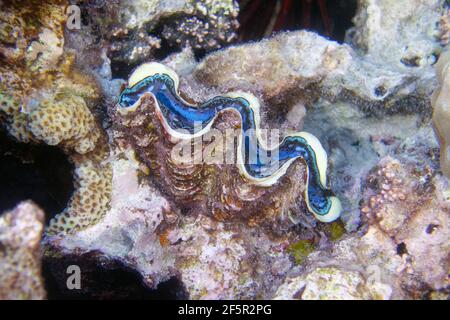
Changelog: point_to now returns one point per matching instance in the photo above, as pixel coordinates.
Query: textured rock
(134, 31)
(415, 43)
(412, 207)
(402, 254)
(307, 66)
(326, 284)
(20, 253)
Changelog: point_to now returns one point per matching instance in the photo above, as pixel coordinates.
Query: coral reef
(45, 99)
(417, 221)
(441, 110)
(403, 252)
(304, 66)
(20, 254)
(406, 48)
(213, 231)
(136, 31)
(326, 284)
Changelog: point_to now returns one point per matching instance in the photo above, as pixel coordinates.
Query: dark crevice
(41, 173)
(103, 279)
(401, 249)
(121, 69)
(166, 47)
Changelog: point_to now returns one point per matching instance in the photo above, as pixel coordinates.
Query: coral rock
(326, 284)
(133, 31)
(20, 254)
(414, 43)
(44, 98)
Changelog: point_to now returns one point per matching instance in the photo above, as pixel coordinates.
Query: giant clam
(259, 184)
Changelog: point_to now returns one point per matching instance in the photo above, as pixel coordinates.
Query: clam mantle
(155, 118)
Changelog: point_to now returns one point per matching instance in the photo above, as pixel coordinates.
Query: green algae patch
(335, 230)
(300, 250)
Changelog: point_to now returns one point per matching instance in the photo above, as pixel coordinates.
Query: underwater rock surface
(369, 101)
(20, 253)
(132, 32)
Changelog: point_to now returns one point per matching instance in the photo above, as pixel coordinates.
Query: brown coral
(67, 122)
(44, 98)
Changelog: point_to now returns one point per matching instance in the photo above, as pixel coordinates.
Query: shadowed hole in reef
(401, 249)
(38, 172)
(103, 279)
(261, 18)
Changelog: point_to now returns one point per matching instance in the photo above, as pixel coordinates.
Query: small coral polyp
(154, 116)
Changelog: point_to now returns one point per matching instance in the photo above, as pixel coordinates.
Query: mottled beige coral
(20, 255)
(11, 116)
(45, 99)
(14, 120)
(34, 31)
(65, 121)
(441, 110)
(90, 200)
(275, 65)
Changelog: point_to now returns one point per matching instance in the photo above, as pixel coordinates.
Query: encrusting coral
(135, 31)
(90, 200)
(403, 251)
(441, 110)
(20, 254)
(45, 99)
